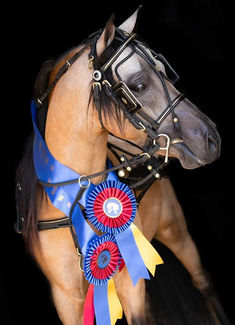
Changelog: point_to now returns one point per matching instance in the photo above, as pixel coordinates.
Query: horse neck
(84, 151)
(73, 132)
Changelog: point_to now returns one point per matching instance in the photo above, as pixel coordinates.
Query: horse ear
(106, 37)
(129, 24)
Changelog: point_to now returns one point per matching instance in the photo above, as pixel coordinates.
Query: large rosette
(102, 260)
(111, 207)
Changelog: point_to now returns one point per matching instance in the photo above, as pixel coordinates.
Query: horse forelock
(109, 110)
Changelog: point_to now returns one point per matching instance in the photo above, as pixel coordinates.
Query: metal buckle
(123, 93)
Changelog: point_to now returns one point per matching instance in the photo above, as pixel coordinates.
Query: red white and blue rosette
(102, 260)
(111, 207)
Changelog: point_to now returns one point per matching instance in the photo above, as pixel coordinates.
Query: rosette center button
(112, 207)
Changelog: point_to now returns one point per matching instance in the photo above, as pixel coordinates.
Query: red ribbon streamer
(89, 311)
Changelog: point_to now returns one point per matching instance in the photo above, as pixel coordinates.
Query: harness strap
(59, 223)
(63, 222)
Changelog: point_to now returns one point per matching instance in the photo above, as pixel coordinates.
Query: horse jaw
(129, 24)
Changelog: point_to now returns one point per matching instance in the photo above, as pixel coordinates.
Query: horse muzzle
(206, 148)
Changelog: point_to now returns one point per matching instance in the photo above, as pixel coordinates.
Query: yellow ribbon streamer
(150, 256)
(115, 307)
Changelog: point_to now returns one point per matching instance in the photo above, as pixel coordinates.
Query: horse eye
(139, 88)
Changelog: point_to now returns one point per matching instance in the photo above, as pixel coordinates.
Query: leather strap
(64, 222)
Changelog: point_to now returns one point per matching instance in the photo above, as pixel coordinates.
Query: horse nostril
(211, 143)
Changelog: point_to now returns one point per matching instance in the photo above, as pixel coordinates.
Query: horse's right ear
(106, 37)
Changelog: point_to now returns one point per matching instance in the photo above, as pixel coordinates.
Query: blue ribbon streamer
(131, 255)
(101, 305)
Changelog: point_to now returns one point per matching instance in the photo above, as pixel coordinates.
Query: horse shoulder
(56, 253)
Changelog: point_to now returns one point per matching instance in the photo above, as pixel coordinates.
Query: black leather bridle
(121, 95)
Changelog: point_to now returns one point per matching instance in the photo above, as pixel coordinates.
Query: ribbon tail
(131, 255)
(101, 305)
(147, 251)
(115, 307)
(89, 311)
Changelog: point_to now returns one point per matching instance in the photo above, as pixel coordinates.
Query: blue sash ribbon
(50, 170)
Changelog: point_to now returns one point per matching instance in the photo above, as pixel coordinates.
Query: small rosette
(111, 207)
(102, 260)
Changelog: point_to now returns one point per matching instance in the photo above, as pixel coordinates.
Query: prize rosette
(102, 260)
(111, 207)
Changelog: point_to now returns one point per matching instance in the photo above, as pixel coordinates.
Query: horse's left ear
(106, 37)
(129, 24)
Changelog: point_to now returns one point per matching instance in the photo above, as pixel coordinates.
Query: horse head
(135, 99)
(148, 80)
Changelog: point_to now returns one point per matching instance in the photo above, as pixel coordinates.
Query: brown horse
(77, 136)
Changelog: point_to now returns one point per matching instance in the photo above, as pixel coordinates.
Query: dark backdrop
(195, 37)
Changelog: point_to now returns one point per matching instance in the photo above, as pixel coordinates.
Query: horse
(111, 83)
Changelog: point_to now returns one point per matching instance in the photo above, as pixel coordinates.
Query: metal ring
(81, 185)
(97, 75)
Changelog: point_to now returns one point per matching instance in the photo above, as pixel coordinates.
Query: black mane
(27, 186)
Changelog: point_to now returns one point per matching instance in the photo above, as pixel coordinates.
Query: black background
(195, 37)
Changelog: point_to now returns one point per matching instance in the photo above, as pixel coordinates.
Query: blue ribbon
(131, 255)
(102, 314)
(83, 231)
